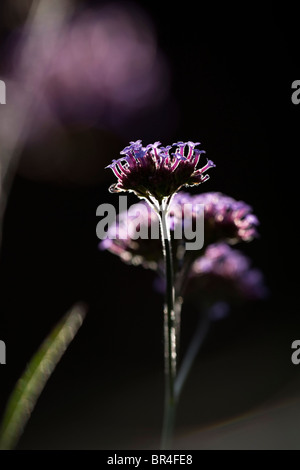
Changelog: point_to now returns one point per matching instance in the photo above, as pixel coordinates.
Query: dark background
(232, 68)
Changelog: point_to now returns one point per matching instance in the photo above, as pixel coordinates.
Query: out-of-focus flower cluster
(225, 219)
(101, 66)
(224, 273)
(218, 274)
(122, 241)
(80, 81)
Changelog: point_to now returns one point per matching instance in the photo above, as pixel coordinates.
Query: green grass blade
(31, 384)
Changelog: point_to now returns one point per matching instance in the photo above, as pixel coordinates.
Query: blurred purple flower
(102, 66)
(224, 274)
(220, 278)
(121, 240)
(224, 218)
(152, 173)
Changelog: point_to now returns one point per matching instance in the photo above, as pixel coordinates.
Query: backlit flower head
(156, 173)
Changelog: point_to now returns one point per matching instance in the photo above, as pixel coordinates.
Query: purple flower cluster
(101, 66)
(153, 173)
(224, 274)
(224, 218)
(121, 238)
(221, 276)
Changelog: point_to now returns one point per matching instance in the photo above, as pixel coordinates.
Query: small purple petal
(209, 164)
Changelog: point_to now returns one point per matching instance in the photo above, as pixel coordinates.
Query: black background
(232, 67)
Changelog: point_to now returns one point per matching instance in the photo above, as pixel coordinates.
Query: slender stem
(177, 309)
(169, 335)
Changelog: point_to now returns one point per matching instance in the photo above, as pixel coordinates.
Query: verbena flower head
(122, 241)
(225, 274)
(224, 217)
(156, 173)
(222, 274)
(221, 277)
(225, 220)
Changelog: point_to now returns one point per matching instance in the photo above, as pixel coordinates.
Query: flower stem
(169, 335)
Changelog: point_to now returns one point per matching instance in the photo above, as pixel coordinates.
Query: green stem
(169, 335)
